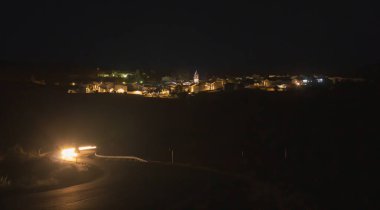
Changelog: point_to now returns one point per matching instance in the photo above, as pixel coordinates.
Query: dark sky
(215, 37)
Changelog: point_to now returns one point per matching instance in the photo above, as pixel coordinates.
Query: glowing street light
(69, 154)
(72, 153)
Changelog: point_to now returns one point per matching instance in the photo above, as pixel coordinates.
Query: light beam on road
(86, 148)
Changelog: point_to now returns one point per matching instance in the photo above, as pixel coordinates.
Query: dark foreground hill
(320, 143)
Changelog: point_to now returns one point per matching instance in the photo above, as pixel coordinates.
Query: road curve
(135, 185)
(131, 158)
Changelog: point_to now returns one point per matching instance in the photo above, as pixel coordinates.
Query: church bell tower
(196, 77)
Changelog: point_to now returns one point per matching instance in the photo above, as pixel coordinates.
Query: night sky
(214, 37)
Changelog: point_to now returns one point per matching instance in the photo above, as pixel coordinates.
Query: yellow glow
(282, 86)
(120, 90)
(69, 154)
(137, 92)
(86, 148)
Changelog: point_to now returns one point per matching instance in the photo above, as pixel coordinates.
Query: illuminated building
(281, 82)
(217, 84)
(194, 88)
(135, 92)
(165, 92)
(274, 83)
(196, 77)
(121, 88)
(71, 91)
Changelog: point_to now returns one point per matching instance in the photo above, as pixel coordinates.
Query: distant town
(140, 83)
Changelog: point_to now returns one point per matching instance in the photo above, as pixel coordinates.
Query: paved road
(133, 185)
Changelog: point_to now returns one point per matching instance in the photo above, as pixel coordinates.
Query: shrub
(4, 181)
